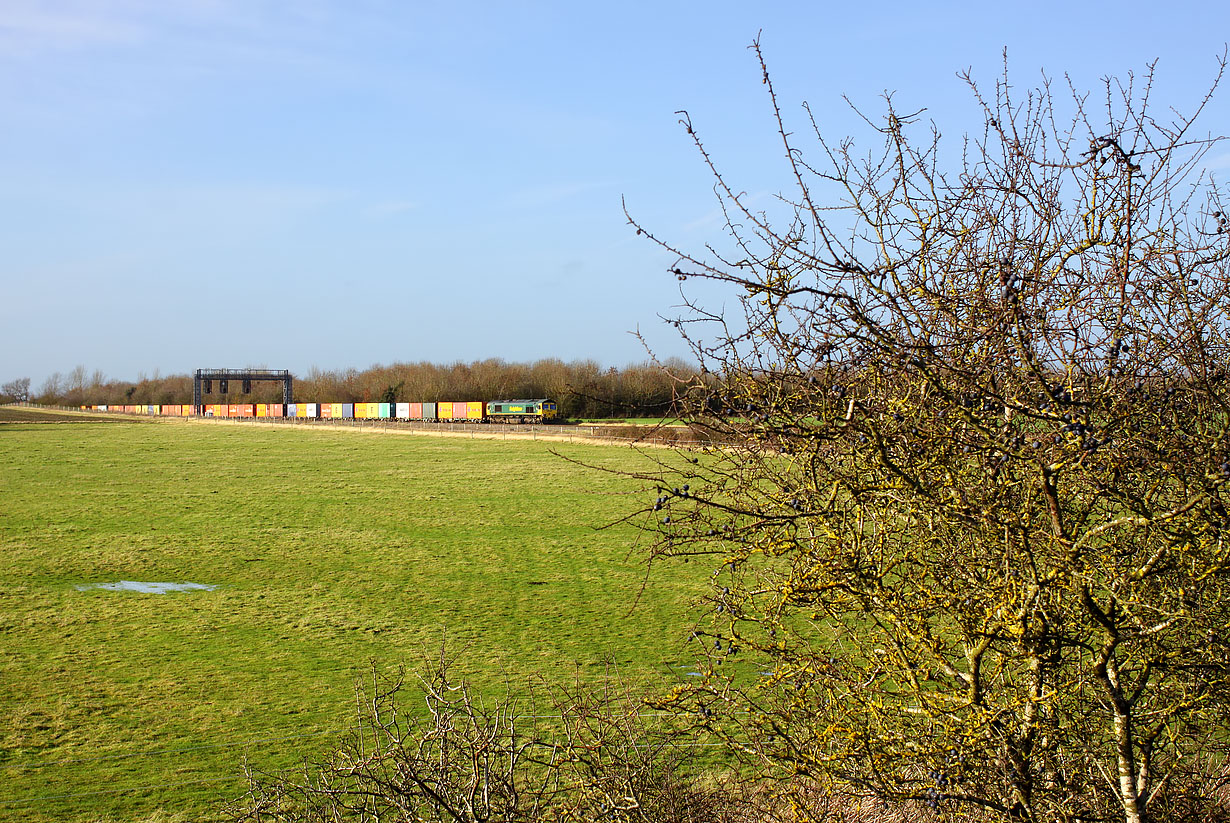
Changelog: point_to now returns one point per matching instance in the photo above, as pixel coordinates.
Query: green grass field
(330, 551)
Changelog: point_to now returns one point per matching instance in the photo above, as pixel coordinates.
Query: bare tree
(969, 537)
(16, 391)
(52, 389)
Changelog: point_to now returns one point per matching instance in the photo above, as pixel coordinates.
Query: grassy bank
(329, 551)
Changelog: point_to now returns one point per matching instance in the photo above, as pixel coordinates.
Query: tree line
(582, 388)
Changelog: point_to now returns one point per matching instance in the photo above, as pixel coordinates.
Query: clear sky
(338, 183)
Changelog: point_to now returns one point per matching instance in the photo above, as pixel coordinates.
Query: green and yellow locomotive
(521, 411)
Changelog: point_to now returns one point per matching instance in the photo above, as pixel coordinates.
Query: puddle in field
(149, 588)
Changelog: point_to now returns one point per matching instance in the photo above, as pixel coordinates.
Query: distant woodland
(582, 388)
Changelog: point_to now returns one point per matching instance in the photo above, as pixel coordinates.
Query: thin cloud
(716, 218)
(27, 27)
(392, 207)
(544, 195)
(251, 30)
(1219, 163)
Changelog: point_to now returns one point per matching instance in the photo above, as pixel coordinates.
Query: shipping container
(262, 410)
(431, 411)
(383, 410)
(403, 411)
(348, 411)
(474, 410)
(274, 410)
(326, 411)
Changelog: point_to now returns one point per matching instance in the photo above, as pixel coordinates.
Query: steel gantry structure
(202, 383)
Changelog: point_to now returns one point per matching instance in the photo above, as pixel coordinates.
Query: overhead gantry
(203, 380)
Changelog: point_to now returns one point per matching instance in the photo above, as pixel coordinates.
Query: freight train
(469, 411)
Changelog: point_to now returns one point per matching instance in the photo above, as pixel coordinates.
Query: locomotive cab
(522, 411)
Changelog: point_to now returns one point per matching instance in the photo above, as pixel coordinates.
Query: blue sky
(318, 183)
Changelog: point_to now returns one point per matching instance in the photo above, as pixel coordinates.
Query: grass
(332, 552)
